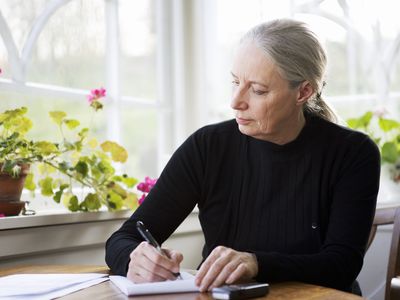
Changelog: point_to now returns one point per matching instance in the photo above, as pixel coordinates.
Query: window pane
(71, 48)
(139, 134)
(138, 57)
(40, 106)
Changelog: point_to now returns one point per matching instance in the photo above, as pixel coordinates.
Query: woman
(283, 192)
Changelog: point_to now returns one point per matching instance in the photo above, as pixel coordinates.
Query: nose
(239, 98)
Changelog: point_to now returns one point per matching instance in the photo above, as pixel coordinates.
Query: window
(53, 52)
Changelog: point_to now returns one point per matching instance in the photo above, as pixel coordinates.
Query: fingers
(148, 265)
(176, 257)
(213, 268)
(225, 265)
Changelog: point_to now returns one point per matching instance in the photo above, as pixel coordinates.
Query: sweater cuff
(270, 268)
(121, 263)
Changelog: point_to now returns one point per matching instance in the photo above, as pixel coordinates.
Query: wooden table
(106, 290)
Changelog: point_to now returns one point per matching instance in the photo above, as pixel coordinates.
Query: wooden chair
(393, 274)
(385, 216)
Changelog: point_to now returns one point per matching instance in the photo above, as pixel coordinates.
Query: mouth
(242, 121)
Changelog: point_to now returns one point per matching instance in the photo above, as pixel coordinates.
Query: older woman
(283, 192)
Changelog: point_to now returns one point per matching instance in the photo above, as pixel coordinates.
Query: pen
(145, 233)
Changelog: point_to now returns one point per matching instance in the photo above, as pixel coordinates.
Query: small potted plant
(56, 168)
(16, 155)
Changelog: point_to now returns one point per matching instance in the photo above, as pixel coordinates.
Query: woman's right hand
(148, 265)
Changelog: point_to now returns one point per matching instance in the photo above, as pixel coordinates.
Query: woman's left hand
(226, 266)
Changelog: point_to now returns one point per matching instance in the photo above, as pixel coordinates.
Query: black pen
(145, 233)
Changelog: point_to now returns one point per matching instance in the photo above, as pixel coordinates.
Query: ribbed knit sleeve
(173, 197)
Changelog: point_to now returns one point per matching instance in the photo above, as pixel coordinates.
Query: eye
(235, 82)
(259, 92)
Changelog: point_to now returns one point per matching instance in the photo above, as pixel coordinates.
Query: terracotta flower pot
(11, 208)
(11, 190)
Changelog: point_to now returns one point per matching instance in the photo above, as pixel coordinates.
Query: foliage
(385, 133)
(78, 160)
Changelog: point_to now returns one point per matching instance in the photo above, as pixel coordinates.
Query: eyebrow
(251, 81)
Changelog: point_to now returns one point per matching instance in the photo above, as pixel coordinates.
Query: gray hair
(299, 57)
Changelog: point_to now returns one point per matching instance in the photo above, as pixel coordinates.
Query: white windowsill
(57, 218)
(51, 218)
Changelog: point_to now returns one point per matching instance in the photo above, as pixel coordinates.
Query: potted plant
(385, 132)
(16, 154)
(56, 168)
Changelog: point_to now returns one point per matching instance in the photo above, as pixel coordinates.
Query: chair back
(392, 291)
(386, 216)
(383, 216)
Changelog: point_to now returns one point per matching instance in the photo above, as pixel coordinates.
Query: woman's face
(265, 106)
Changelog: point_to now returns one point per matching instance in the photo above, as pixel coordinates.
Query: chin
(246, 130)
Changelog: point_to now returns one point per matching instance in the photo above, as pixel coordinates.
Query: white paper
(186, 284)
(46, 286)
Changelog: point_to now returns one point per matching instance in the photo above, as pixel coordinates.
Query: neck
(291, 130)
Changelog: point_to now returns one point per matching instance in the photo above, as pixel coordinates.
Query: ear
(305, 92)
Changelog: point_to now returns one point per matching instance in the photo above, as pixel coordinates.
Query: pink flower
(2, 215)
(380, 112)
(142, 199)
(96, 94)
(147, 184)
(145, 187)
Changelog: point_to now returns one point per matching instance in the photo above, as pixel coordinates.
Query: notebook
(186, 284)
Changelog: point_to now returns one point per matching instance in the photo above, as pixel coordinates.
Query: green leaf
(73, 204)
(46, 186)
(130, 182)
(361, 122)
(82, 168)
(57, 116)
(83, 133)
(388, 124)
(91, 202)
(21, 125)
(68, 145)
(45, 169)
(13, 114)
(71, 123)
(389, 152)
(115, 187)
(46, 148)
(131, 201)
(96, 105)
(115, 201)
(64, 166)
(8, 166)
(105, 168)
(29, 182)
(78, 146)
(58, 194)
(118, 153)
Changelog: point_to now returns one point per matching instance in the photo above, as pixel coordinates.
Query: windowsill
(57, 218)
(51, 218)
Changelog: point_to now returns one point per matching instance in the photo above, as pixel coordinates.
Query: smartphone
(240, 291)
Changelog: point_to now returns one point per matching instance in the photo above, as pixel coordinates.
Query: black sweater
(304, 208)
